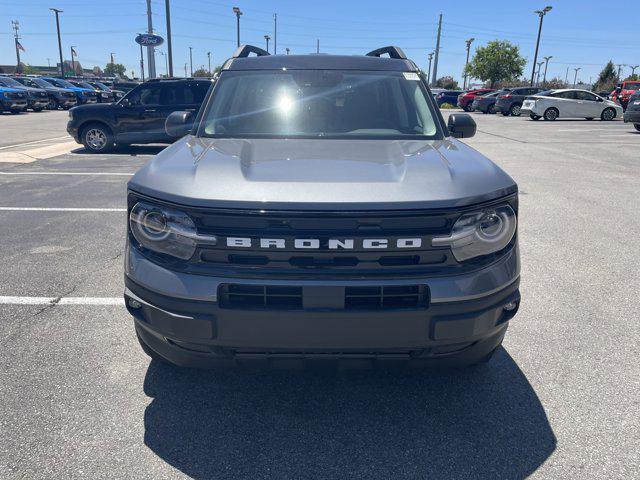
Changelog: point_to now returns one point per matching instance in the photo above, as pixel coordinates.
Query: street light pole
(538, 76)
(191, 61)
(238, 13)
(546, 64)
(16, 26)
(541, 14)
(633, 69)
(267, 38)
(141, 63)
(169, 51)
(575, 77)
(287, 50)
(468, 42)
(209, 58)
(275, 33)
(429, 72)
(57, 12)
(151, 57)
(437, 52)
(73, 62)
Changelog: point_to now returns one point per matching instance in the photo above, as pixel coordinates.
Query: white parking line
(34, 142)
(61, 301)
(52, 209)
(116, 174)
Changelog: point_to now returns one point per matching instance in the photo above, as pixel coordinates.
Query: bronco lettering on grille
(331, 244)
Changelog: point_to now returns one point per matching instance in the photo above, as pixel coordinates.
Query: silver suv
(319, 207)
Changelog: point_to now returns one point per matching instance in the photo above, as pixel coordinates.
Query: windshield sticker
(411, 76)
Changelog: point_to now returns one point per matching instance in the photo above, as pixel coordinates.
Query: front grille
(288, 297)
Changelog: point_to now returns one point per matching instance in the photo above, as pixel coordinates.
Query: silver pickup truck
(319, 207)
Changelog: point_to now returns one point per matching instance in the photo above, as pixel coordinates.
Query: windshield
(632, 86)
(319, 103)
(35, 82)
(101, 86)
(61, 83)
(10, 82)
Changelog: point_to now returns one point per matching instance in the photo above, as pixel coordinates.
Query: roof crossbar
(245, 50)
(393, 52)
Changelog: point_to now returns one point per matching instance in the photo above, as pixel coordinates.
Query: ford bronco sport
(319, 207)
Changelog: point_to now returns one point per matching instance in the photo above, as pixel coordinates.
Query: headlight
(165, 230)
(480, 233)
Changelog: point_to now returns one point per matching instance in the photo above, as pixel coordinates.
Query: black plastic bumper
(201, 334)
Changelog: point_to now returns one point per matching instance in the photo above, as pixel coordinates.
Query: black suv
(138, 117)
(58, 97)
(510, 103)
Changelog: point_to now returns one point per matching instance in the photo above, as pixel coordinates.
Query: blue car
(84, 95)
(448, 96)
(12, 100)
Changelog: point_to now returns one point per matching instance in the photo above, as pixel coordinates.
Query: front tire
(551, 114)
(608, 114)
(515, 110)
(533, 116)
(97, 138)
(53, 104)
(491, 109)
(636, 126)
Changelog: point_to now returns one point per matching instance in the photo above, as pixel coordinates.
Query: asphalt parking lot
(79, 399)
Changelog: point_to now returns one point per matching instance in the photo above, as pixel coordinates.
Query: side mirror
(178, 124)
(125, 102)
(461, 125)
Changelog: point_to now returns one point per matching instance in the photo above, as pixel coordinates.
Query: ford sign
(149, 40)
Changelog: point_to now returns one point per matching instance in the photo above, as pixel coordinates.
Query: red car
(624, 90)
(466, 99)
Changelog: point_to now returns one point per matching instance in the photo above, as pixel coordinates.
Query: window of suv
(184, 93)
(590, 97)
(148, 94)
(61, 83)
(319, 103)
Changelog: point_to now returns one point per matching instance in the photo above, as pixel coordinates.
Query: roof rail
(244, 50)
(393, 52)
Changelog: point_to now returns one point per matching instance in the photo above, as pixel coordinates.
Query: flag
(19, 45)
(73, 52)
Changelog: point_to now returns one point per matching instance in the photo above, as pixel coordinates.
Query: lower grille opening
(286, 297)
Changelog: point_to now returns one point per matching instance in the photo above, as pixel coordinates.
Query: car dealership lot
(80, 399)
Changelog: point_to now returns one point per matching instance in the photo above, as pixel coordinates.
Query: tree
(608, 78)
(97, 71)
(29, 70)
(554, 83)
(446, 82)
(498, 61)
(634, 77)
(201, 72)
(115, 70)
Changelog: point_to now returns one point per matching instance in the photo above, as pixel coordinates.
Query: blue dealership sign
(149, 40)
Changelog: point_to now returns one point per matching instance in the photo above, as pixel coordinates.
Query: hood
(11, 90)
(321, 174)
(92, 107)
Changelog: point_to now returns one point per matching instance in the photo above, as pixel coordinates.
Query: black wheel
(533, 116)
(38, 109)
(608, 114)
(505, 114)
(466, 108)
(636, 126)
(551, 114)
(66, 107)
(515, 110)
(97, 138)
(492, 108)
(53, 104)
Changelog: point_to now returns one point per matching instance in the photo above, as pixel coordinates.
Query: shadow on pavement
(484, 422)
(129, 150)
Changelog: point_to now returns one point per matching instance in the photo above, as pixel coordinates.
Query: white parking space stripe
(51, 209)
(61, 301)
(115, 174)
(35, 142)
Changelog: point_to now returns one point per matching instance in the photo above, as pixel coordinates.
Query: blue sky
(582, 33)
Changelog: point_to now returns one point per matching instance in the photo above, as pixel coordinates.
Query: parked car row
(19, 93)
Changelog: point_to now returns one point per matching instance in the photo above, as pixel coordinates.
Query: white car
(570, 103)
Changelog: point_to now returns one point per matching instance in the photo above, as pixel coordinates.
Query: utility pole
(468, 42)
(575, 77)
(267, 38)
(538, 76)
(275, 33)
(57, 12)
(185, 70)
(48, 62)
(169, 51)
(73, 62)
(287, 50)
(318, 46)
(238, 13)
(437, 52)
(566, 77)
(541, 14)
(16, 26)
(633, 69)
(429, 72)
(190, 61)
(209, 58)
(141, 64)
(620, 65)
(546, 64)
(151, 56)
